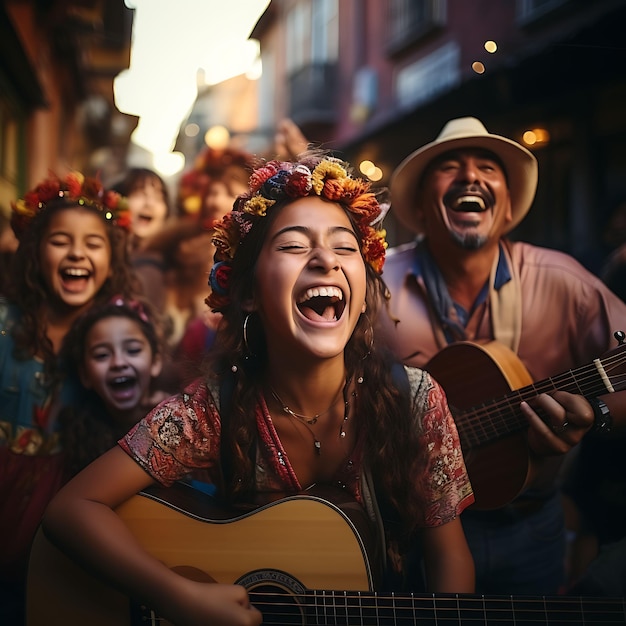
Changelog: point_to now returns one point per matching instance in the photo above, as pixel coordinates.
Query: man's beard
(469, 241)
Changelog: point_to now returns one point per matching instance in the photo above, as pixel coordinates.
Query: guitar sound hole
(277, 605)
(278, 595)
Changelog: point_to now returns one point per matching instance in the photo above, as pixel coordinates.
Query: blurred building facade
(58, 62)
(223, 113)
(375, 79)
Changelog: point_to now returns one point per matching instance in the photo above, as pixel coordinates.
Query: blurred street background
(104, 85)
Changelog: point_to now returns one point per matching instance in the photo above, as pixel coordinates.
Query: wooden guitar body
(470, 373)
(302, 559)
(191, 534)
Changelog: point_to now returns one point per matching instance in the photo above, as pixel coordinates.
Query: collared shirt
(568, 318)
(568, 314)
(503, 276)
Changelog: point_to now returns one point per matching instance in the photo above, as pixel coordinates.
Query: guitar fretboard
(361, 608)
(502, 417)
(350, 608)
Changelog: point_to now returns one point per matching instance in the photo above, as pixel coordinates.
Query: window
(325, 44)
(312, 33)
(409, 20)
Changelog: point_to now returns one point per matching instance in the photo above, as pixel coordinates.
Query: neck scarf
(504, 301)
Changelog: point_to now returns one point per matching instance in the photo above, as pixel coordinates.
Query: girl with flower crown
(299, 395)
(71, 254)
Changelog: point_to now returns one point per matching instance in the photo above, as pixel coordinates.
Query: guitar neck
(332, 607)
(502, 417)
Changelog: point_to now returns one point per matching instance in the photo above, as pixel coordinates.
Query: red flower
(219, 278)
(373, 248)
(123, 220)
(92, 189)
(47, 190)
(298, 184)
(74, 185)
(262, 174)
(31, 198)
(111, 199)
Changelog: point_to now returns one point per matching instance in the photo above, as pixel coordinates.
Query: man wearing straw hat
(462, 279)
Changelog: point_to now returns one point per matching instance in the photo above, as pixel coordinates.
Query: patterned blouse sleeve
(178, 437)
(441, 475)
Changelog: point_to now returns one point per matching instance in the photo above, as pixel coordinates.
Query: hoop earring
(245, 333)
(371, 343)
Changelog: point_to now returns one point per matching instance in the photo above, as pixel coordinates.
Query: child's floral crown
(210, 165)
(74, 188)
(277, 182)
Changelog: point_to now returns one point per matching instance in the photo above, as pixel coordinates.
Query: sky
(171, 41)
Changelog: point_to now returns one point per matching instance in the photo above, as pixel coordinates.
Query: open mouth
(322, 303)
(468, 199)
(468, 204)
(75, 273)
(144, 218)
(122, 384)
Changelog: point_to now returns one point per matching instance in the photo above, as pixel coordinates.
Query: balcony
(312, 94)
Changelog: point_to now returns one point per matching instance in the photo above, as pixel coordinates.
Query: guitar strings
(454, 607)
(506, 409)
(340, 607)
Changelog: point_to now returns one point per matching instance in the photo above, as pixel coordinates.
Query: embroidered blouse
(181, 436)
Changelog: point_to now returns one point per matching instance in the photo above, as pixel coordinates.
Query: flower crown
(209, 165)
(279, 181)
(134, 305)
(74, 188)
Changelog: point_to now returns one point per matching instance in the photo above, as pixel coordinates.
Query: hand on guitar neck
(510, 426)
(565, 419)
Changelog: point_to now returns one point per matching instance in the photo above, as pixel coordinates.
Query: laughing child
(115, 350)
(71, 255)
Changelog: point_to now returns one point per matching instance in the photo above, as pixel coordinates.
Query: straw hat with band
(465, 132)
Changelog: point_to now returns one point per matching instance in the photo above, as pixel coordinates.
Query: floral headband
(210, 165)
(279, 181)
(134, 305)
(75, 187)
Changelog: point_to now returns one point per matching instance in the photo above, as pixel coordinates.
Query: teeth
(121, 380)
(315, 292)
(73, 271)
(469, 199)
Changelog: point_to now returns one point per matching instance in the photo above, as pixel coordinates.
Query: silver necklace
(300, 416)
(307, 422)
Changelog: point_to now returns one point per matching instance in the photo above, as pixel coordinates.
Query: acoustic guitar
(484, 384)
(304, 559)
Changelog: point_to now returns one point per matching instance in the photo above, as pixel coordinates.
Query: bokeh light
(536, 136)
(478, 67)
(491, 46)
(369, 169)
(217, 137)
(191, 130)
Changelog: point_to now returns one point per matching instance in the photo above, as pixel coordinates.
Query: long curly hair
(29, 292)
(383, 409)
